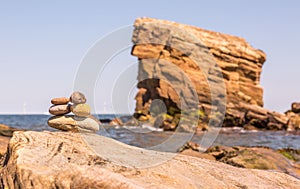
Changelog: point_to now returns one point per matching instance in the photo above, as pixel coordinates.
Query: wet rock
(77, 98)
(60, 101)
(60, 109)
(64, 160)
(81, 110)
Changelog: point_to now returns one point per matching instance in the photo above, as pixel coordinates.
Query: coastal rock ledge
(64, 160)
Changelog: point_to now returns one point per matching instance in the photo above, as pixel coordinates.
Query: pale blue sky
(42, 43)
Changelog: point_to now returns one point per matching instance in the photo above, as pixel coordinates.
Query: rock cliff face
(64, 160)
(176, 61)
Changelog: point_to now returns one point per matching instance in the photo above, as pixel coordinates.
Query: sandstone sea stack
(81, 121)
(239, 62)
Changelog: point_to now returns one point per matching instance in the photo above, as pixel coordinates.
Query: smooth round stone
(95, 119)
(87, 124)
(78, 98)
(74, 123)
(59, 109)
(64, 123)
(81, 110)
(60, 101)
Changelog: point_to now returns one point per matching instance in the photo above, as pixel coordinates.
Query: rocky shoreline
(282, 160)
(80, 158)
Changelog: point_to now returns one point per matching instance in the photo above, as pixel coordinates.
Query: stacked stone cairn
(81, 121)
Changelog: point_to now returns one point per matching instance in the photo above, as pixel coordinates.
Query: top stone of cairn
(77, 98)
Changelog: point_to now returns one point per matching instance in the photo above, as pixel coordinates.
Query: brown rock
(63, 123)
(116, 121)
(253, 117)
(4, 141)
(5, 133)
(139, 100)
(275, 126)
(294, 122)
(144, 118)
(190, 152)
(257, 120)
(190, 145)
(250, 127)
(234, 118)
(60, 101)
(253, 108)
(254, 158)
(77, 98)
(64, 160)
(7, 130)
(168, 51)
(74, 123)
(59, 109)
(296, 107)
(81, 110)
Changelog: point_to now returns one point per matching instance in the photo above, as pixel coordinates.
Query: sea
(147, 136)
